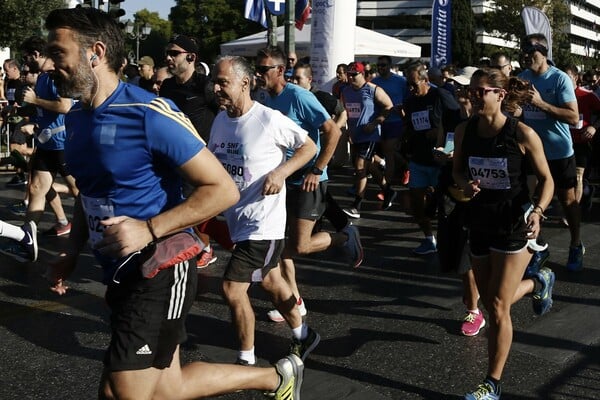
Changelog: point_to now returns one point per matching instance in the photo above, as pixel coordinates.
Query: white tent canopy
(367, 43)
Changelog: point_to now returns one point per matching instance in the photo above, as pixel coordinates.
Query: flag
(255, 11)
(302, 13)
(537, 22)
(441, 33)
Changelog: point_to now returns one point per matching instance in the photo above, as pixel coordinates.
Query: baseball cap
(146, 60)
(356, 67)
(463, 76)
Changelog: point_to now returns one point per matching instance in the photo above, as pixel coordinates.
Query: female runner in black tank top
(489, 152)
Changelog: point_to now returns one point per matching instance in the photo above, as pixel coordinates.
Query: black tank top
(498, 163)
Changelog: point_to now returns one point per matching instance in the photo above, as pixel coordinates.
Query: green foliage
(22, 19)
(213, 22)
(154, 45)
(463, 33)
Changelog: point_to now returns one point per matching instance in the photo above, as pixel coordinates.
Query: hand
(29, 95)
(274, 182)
(533, 225)
(59, 270)
(440, 156)
(589, 132)
(311, 182)
(123, 236)
(472, 188)
(534, 97)
(28, 129)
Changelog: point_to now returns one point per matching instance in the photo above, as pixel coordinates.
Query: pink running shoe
(472, 323)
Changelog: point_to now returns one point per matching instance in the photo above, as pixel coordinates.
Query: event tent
(367, 43)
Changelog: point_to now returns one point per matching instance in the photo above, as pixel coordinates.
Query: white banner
(332, 43)
(536, 22)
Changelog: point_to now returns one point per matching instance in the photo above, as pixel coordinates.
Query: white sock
(11, 231)
(300, 332)
(247, 355)
(63, 222)
(206, 248)
(475, 311)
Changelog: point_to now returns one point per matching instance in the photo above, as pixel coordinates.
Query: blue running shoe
(575, 262)
(353, 245)
(542, 300)
(485, 391)
(537, 261)
(426, 247)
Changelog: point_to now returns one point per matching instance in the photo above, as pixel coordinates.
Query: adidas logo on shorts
(144, 350)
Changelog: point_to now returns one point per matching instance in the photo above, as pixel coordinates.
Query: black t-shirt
(147, 84)
(195, 98)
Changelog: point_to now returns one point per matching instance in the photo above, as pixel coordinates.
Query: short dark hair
(91, 25)
(274, 52)
(33, 44)
(307, 67)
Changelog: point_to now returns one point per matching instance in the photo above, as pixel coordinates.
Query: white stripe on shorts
(178, 290)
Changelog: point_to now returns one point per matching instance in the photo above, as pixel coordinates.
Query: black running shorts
(251, 260)
(148, 317)
(306, 205)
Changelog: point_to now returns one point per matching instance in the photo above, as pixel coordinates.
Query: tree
(22, 19)
(153, 46)
(505, 21)
(463, 33)
(212, 22)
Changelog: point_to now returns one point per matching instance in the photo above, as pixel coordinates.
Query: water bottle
(44, 135)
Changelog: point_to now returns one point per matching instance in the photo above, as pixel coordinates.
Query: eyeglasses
(263, 69)
(352, 74)
(174, 53)
(481, 91)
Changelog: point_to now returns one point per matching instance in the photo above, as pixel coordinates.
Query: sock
(537, 286)
(495, 383)
(11, 231)
(475, 311)
(207, 248)
(63, 221)
(300, 332)
(247, 355)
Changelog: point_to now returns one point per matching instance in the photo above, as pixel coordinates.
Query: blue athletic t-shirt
(302, 107)
(45, 89)
(396, 87)
(124, 156)
(555, 88)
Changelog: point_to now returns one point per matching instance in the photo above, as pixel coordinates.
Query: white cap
(464, 75)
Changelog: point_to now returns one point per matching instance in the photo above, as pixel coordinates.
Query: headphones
(93, 58)
(189, 58)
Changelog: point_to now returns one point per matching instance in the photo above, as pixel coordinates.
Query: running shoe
(388, 200)
(241, 361)
(58, 230)
(17, 180)
(542, 300)
(291, 371)
(575, 262)
(206, 258)
(352, 212)
(276, 316)
(537, 261)
(426, 247)
(25, 250)
(353, 245)
(485, 391)
(302, 348)
(19, 208)
(472, 323)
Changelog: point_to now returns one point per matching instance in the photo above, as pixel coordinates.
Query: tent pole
(290, 19)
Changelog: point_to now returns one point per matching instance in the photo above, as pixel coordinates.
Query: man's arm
(567, 112)
(276, 178)
(214, 191)
(60, 105)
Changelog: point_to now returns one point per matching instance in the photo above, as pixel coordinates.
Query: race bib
(96, 210)
(353, 110)
(420, 120)
(534, 114)
(491, 172)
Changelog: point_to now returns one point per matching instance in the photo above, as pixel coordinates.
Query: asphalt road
(390, 329)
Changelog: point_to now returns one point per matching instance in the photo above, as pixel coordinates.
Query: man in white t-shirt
(251, 141)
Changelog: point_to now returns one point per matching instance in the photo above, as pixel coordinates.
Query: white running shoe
(276, 316)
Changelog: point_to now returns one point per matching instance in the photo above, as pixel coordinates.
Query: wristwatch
(316, 171)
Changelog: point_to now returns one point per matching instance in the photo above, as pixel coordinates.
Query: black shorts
(148, 317)
(364, 150)
(251, 260)
(563, 172)
(583, 153)
(52, 161)
(482, 242)
(306, 205)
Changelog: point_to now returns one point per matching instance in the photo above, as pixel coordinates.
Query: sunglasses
(479, 92)
(263, 69)
(174, 53)
(532, 48)
(352, 74)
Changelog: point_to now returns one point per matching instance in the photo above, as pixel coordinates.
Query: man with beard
(49, 158)
(130, 150)
(193, 94)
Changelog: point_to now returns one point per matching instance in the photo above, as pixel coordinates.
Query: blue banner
(276, 7)
(441, 33)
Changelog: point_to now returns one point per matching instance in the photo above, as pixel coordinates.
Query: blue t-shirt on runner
(45, 89)
(555, 88)
(124, 156)
(302, 107)
(396, 87)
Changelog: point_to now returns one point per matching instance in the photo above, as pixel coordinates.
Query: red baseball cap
(356, 67)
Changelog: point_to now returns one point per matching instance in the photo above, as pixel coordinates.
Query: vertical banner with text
(441, 33)
(332, 39)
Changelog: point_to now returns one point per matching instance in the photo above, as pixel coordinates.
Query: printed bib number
(96, 210)
(353, 110)
(420, 120)
(491, 172)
